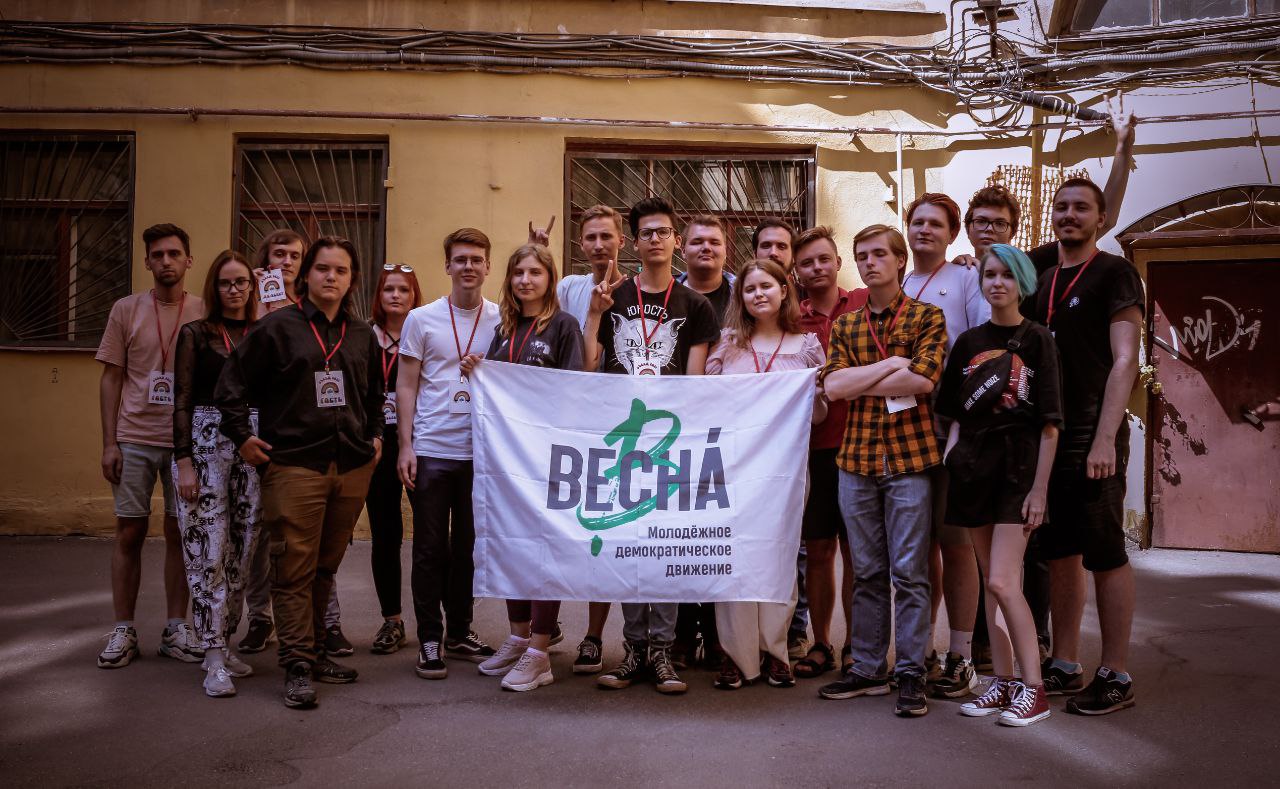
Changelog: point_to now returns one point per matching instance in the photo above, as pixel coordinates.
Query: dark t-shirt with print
(719, 299)
(1081, 327)
(559, 345)
(687, 320)
(1033, 396)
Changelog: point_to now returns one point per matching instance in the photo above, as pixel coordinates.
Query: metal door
(1215, 345)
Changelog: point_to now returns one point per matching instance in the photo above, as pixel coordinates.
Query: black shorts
(1086, 516)
(991, 475)
(822, 518)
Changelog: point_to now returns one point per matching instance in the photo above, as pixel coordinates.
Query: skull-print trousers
(218, 529)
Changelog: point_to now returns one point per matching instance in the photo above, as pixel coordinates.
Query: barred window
(66, 221)
(316, 188)
(741, 186)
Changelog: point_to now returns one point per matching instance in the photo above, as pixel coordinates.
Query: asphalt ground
(1205, 639)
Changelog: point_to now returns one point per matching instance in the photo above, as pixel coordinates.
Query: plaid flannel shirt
(877, 443)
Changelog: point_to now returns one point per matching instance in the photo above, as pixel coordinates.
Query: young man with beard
(137, 352)
(933, 222)
(1093, 303)
(774, 239)
(648, 325)
(312, 370)
(822, 529)
(886, 359)
(434, 417)
(705, 250)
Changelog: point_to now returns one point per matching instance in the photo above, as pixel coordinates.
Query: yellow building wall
(444, 175)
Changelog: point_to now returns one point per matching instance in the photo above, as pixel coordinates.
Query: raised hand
(602, 294)
(1122, 122)
(542, 235)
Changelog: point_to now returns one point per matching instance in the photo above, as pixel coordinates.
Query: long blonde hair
(743, 323)
(510, 308)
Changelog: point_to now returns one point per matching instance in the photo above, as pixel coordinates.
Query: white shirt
(574, 292)
(428, 337)
(955, 290)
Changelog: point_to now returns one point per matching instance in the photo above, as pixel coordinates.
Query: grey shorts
(142, 464)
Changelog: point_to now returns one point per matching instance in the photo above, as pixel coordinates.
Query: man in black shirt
(312, 370)
(1093, 303)
(704, 253)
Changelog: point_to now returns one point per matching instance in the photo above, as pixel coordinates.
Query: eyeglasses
(241, 283)
(463, 261)
(998, 225)
(661, 232)
(397, 267)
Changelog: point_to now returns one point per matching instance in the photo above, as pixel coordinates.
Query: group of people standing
(968, 441)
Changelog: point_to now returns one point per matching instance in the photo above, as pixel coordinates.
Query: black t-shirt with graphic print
(687, 320)
(1081, 327)
(558, 346)
(1033, 396)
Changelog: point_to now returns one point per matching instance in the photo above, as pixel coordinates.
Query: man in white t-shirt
(433, 400)
(933, 223)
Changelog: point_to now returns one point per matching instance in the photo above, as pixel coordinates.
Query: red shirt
(830, 433)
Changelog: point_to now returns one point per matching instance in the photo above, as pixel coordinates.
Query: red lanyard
(226, 338)
(644, 331)
(1053, 286)
(888, 329)
(512, 353)
(165, 346)
(927, 281)
(387, 367)
(755, 358)
(337, 345)
(456, 341)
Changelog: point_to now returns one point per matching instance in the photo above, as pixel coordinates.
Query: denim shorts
(142, 464)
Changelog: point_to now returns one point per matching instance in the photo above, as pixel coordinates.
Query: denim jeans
(888, 520)
(643, 623)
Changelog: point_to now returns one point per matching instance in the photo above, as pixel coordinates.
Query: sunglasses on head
(397, 267)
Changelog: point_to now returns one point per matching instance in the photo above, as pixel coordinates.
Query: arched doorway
(1212, 267)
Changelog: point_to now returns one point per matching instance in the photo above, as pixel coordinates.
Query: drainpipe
(901, 226)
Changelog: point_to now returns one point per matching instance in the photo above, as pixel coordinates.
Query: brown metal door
(1215, 341)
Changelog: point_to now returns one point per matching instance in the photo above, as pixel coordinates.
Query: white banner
(638, 489)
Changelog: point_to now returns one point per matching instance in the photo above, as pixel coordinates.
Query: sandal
(810, 666)
(846, 659)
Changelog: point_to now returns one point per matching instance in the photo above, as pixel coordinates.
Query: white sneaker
(237, 667)
(217, 683)
(122, 647)
(180, 644)
(511, 651)
(531, 671)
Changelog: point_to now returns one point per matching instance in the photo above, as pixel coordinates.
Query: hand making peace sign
(602, 294)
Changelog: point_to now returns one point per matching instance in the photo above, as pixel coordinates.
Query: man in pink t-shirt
(136, 399)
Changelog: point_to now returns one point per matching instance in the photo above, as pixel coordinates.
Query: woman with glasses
(534, 331)
(397, 293)
(218, 502)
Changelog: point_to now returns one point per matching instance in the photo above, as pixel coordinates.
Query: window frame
(651, 151)
(1063, 21)
(127, 205)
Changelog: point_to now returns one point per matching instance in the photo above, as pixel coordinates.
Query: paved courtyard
(1205, 643)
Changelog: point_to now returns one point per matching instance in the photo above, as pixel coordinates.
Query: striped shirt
(876, 442)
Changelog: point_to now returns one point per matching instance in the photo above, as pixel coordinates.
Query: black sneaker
(633, 667)
(469, 647)
(261, 632)
(335, 643)
(957, 678)
(390, 637)
(665, 677)
(932, 667)
(430, 665)
(557, 635)
(1105, 695)
(911, 700)
(325, 670)
(298, 690)
(590, 656)
(854, 685)
(683, 653)
(1058, 682)
(730, 676)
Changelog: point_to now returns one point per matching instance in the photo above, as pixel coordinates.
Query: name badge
(896, 403)
(330, 391)
(160, 388)
(389, 409)
(651, 364)
(271, 286)
(460, 397)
